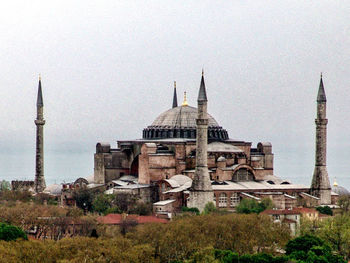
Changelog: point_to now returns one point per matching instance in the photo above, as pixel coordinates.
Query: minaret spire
(201, 190)
(175, 96)
(202, 95)
(320, 185)
(39, 159)
(39, 101)
(321, 95)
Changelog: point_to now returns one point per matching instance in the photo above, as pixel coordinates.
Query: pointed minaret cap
(39, 101)
(202, 95)
(175, 96)
(321, 95)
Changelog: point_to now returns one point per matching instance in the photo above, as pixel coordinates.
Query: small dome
(340, 190)
(90, 179)
(53, 189)
(221, 159)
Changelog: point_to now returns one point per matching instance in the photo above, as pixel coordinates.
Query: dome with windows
(180, 122)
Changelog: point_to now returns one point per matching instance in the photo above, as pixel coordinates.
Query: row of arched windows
(223, 200)
(154, 133)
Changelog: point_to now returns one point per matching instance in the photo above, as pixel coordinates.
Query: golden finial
(174, 84)
(321, 75)
(39, 77)
(202, 72)
(185, 103)
(335, 182)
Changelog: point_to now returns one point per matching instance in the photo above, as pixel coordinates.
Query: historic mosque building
(185, 158)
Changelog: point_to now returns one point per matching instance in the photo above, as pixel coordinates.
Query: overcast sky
(108, 68)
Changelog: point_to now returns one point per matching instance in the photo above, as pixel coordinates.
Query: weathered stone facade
(40, 184)
(187, 141)
(320, 185)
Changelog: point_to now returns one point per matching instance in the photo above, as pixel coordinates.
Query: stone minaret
(175, 96)
(320, 185)
(201, 191)
(39, 158)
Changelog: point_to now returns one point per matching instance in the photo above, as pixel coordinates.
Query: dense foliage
(179, 240)
(213, 237)
(309, 248)
(248, 206)
(325, 210)
(193, 210)
(9, 232)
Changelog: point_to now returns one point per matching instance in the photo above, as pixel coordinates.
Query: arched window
(222, 200)
(214, 198)
(234, 200)
(243, 174)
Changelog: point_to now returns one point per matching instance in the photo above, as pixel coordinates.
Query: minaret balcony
(39, 122)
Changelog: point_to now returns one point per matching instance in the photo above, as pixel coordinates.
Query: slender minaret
(320, 185)
(201, 191)
(175, 96)
(39, 158)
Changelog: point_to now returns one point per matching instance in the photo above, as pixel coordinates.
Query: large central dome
(180, 122)
(181, 117)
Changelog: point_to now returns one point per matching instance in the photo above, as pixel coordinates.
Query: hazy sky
(108, 69)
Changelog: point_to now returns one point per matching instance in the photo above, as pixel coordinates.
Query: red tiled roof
(305, 210)
(151, 219)
(280, 212)
(110, 219)
(116, 219)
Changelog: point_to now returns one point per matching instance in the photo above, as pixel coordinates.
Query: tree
(142, 209)
(83, 198)
(102, 203)
(325, 210)
(344, 203)
(303, 243)
(310, 248)
(248, 206)
(9, 232)
(124, 201)
(336, 231)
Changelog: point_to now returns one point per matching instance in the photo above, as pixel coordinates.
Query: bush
(112, 210)
(325, 210)
(209, 208)
(190, 209)
(9, 232)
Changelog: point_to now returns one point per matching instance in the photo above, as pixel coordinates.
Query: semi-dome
(180, 122)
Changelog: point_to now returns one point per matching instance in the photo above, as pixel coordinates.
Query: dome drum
(214, 133)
